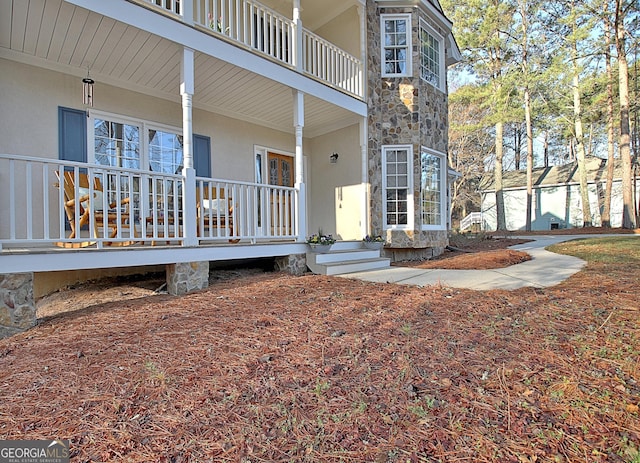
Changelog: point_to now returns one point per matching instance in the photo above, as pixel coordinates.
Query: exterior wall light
(334, 158)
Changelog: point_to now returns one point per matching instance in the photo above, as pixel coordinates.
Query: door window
(280, 169)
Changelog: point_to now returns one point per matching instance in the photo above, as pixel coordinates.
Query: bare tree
(470, 144)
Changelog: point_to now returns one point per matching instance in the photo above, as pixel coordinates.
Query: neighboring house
(210, 130)
(556, 199)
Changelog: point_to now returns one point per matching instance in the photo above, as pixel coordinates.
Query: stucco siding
(335, 199)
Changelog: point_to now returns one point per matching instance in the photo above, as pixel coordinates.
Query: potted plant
(319, 242)
(373, 242)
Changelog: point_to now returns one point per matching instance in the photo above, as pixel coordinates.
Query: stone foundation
(17, 305)
(295, 264)
(403, 254)
(414, 245)
(184, 277)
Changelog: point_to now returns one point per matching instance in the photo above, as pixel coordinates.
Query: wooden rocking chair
(214, 213)
(91, 209)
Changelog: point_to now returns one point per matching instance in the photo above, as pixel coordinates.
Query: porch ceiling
(127, 57)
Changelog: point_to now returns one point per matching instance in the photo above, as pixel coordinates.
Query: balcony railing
(267, 32)
(48, 202)
(249, 23)
(329, 63)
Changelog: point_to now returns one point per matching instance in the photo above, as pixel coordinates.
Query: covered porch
(169, 160)
(259, 83)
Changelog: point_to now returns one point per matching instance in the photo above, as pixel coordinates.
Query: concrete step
(346, 245)
(346, 257)
(340, 268)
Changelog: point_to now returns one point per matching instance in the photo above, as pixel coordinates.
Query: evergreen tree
(482, 34)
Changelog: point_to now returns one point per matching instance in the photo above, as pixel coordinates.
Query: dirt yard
(268, 367)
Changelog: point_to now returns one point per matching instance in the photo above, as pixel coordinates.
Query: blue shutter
(72, 134)
(202, 155)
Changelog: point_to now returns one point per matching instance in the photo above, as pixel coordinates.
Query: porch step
(346, 257)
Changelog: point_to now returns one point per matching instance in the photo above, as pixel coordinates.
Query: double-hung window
(396, 45)
(431, 56)
(432, 189)
(136, 144)
(397, 186)
(129, 143)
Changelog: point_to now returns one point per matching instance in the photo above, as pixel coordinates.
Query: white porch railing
(71, 205)
(329, 63)
(266, 31)
(170, 6)
(244, 210)
(470, 220)
(250, 23)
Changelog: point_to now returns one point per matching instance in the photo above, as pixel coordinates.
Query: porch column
(298, 123)
(188, 172)
(297, 36)
(364, 156)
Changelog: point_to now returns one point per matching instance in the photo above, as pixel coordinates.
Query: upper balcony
(247, 60)
(268, 32)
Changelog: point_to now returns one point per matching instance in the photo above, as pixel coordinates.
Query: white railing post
(297, 36)
(186, 11)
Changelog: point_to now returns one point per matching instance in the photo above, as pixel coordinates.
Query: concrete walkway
(544, 269)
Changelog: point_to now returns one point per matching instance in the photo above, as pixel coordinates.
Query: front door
(281, 173)
(280, 169)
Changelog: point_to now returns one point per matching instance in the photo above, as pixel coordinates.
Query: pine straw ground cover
(276, 368)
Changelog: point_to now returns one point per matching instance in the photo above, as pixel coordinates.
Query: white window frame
(424, 26)
(410, 196)
(143, 125)
(395, 17)
(443, 192)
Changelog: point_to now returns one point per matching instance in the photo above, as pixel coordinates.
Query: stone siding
(17, 305)
(402, 254)
(184, 277)
(295, 264)
(403, 111)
